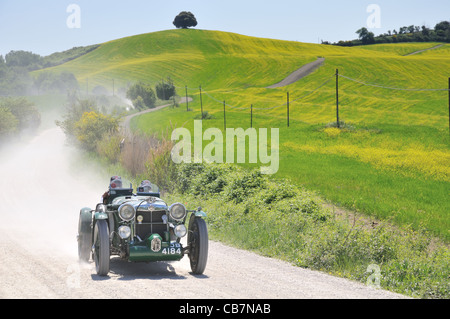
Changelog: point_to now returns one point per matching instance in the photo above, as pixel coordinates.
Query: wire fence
(289, 102)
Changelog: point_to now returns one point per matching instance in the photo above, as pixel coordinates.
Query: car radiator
(152, 223)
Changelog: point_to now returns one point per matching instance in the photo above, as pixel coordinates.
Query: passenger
(146, 187)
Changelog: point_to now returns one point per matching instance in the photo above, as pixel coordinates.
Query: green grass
(391, 163)
(390, 189)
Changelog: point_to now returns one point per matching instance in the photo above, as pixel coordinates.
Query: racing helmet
(115, 182)
(145, 187)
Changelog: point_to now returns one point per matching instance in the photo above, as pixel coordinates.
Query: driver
(115, 182)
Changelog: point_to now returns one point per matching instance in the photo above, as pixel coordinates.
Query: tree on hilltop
(185, 20)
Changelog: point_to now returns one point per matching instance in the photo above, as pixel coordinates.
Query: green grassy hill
(237, 68)
(392, 158)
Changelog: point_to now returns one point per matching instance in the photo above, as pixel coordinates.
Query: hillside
(222, 61)
(390, 160)
(190, 56)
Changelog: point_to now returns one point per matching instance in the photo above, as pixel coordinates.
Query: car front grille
(152, 224)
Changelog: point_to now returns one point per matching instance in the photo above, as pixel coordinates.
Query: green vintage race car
(140, 227)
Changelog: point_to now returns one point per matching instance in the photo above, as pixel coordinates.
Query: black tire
(198, 245)
(84, 239)
(101, 248)
(84, 248)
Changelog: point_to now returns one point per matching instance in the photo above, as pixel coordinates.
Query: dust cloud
(43, 185)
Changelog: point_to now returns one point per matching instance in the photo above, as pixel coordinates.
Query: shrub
(212, 180)
(205, 116)
(244, 184)
(74, 111)
(8, 122)
(92, 127)
(109, 147)
(186, 173)
(26, 115)
(135, 153)
(159, 165)
(166, 89)
(146, 94)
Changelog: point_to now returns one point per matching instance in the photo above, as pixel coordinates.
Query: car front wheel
(198, 245)
(101, 248)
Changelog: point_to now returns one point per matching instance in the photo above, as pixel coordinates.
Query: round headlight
(180, 231)
(127, 212)
(177, 211)
(124, 232)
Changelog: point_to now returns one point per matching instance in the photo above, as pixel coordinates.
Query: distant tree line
(15, 68)
(412, 33)
(32, 61)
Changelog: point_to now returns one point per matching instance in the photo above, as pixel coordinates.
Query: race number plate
(173, 249)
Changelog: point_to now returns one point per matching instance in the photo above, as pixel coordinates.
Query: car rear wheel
(84, 241)
(84, 248)
(198, 245)
(101, 248)
(84, 235)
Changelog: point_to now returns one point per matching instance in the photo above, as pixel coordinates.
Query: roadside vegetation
(18, 115)
(277, 219)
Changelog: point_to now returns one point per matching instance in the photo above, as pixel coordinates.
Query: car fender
(194, 215)
(100, 216)
(200, 214)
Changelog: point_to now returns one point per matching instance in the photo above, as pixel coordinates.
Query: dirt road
(43, 186)
(299, 74)
(420, 51)
(126, 120)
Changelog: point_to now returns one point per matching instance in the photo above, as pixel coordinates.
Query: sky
(48, 26)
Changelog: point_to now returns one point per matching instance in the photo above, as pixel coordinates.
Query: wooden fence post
(287, 109)
(201, 101)
(337, 99)
(187, 101)
(224, 117)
